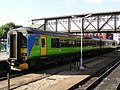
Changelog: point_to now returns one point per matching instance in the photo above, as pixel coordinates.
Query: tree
(5, 28)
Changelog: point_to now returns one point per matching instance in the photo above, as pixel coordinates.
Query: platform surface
(3, 56)
(64, 80)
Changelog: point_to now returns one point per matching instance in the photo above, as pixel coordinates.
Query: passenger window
(43, 42)
(36, 41)
(55, 42)
(62, 43)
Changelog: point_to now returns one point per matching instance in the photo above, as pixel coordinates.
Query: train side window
(72, 43)
(84, 42)
(62, 43)
(36, 41)
(43, 42)
(54, 42)
(57, 42)
(77, 43)
(67, 43)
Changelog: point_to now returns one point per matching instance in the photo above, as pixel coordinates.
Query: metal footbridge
(87, 23)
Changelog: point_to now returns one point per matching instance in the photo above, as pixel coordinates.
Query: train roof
(29, 30)
(95, 39)
(107, 40)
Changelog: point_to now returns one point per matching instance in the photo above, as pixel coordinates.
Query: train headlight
(12, 64)
(24, 54)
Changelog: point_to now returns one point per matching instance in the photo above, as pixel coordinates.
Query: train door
(43, 45)
(12, 44)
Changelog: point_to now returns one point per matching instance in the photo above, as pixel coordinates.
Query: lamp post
(80, 67)
(81, 58)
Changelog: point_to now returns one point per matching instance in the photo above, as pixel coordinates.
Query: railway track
(93, 81)
(5, 70)
(40, 77)
(3, 76)
(43, 77)
(14, 74)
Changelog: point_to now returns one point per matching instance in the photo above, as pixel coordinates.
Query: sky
(23, 11)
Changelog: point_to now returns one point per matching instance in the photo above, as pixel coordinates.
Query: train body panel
(33, 46)
(56, 48)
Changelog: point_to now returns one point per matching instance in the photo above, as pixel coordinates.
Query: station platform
(3, 56)
(90, 69)
(65, 79)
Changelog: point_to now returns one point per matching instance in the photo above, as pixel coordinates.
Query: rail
(104, 75)
(91, 82)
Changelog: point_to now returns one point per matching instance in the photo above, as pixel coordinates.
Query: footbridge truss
(87, 23)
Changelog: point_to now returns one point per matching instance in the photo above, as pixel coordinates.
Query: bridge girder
(95, 23)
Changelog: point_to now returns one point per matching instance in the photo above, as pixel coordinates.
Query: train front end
(17, 49)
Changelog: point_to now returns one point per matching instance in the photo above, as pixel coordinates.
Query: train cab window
(23, 41)
(43, 42)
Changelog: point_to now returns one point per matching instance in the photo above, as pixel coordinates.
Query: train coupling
(21, 67)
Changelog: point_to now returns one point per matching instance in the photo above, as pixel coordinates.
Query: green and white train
(29, 47)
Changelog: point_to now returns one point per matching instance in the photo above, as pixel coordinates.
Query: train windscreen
(23, 41)
(13, 46)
